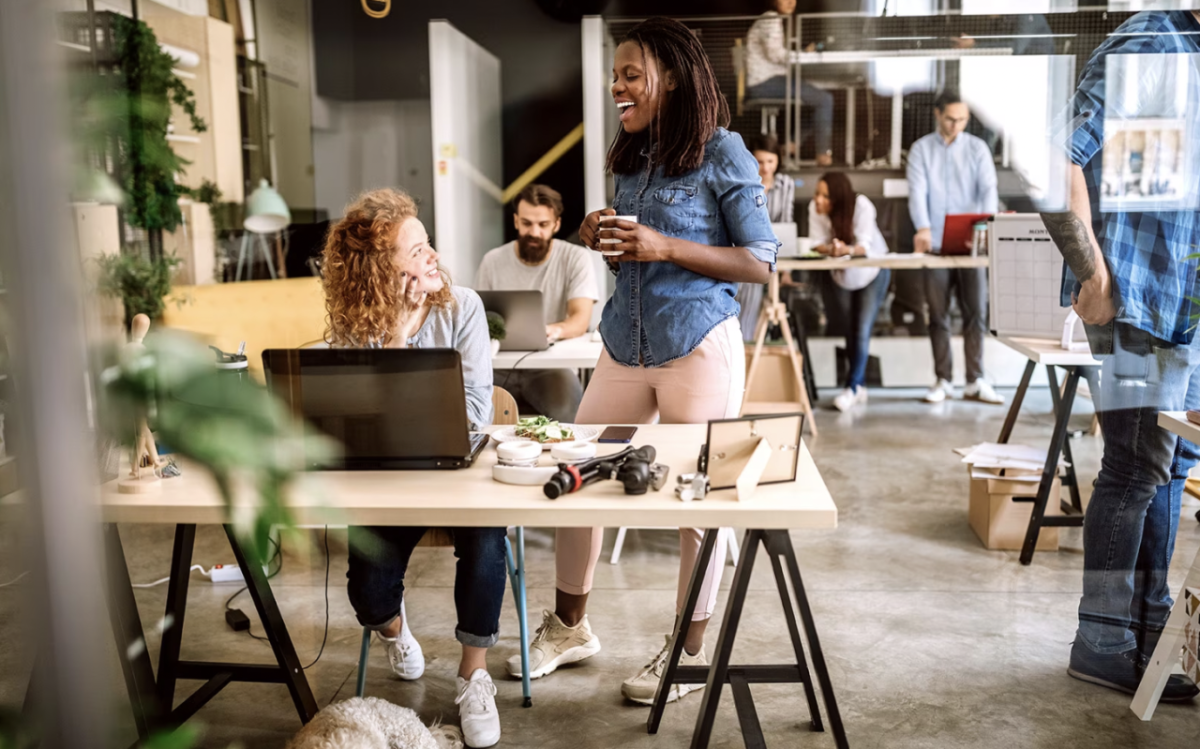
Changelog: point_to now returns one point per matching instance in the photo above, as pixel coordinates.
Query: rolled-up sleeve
(471, 341)
(742, 200)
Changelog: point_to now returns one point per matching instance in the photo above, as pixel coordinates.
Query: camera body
(634, 468)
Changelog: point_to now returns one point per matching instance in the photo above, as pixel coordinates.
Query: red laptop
(959, 230)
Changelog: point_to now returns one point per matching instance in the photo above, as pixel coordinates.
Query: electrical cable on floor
(156, 583)
(326, 635)
(15, 580)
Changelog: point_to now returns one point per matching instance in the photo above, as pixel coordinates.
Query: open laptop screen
(382, 405)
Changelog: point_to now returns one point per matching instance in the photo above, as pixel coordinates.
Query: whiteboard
(464, 83)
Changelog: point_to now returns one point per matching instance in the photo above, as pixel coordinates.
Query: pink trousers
(706, 384)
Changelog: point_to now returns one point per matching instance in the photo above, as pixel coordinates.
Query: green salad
(544, 430)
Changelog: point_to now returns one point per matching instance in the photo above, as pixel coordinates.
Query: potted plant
(140, 282)
(497, 330)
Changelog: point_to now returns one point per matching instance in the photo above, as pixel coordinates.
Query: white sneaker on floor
(849, 398)
(641, 688)
(555, 644)
(477, 713)
(404, 652)
(939, 392)
(981, 391)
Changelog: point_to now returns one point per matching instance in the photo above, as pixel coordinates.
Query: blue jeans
(1129, 530)
(856, 311)
(818, 98)
(379, 558)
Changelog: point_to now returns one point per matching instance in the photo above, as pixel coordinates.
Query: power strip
(227, 573)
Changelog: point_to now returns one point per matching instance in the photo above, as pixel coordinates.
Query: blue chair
(516, 576)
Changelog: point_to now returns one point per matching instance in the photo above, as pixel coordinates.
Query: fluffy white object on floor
(372, 723)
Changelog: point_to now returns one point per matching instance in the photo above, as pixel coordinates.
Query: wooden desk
(1166, 653)
(1050, 354)
(893, 261)
(471, 498)
(573, 353)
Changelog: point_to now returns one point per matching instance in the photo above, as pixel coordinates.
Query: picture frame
(731, 444)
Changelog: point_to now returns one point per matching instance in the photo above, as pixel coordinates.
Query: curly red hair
(364, 294)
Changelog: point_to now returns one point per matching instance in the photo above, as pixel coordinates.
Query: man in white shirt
(564, 274)
(952, 172)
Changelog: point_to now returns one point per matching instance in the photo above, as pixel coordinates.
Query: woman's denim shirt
(660, 311)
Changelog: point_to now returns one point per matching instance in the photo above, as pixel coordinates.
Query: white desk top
(573, 353)
(1048, 351)
(1176, 422)
(895, 261)
(470, 497)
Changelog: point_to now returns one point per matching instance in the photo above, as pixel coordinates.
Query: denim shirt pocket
(675, 208)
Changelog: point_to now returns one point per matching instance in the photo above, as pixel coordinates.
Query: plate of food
(545, 431)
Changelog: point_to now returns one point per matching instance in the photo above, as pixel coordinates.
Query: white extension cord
(220, 573)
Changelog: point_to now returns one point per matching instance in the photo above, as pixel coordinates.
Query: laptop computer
(524, 318)
(958, 232)
(391, 409)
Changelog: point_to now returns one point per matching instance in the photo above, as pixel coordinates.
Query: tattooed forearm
(1071, 236)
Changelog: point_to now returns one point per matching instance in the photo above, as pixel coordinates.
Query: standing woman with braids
(673, 346)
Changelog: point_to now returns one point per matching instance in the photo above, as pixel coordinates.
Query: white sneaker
(939, 392)
(477, 713)
(403, 651)
(641, 688)
(849, 398)
(555, 644)
(981, 391)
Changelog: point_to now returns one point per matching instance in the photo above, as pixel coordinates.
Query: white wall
(358, 146)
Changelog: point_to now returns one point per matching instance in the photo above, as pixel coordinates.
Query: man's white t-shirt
(565, 274)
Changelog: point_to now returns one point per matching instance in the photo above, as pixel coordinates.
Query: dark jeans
(818, 98)
(1130, 526)
(856, 312)
(379, 557)
(547, 392)
(971, 284)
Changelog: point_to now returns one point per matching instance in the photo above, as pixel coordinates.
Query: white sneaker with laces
(982, 392)
(939, 392)
(641, 688)
(403, 651)
(555, 644)
(477, 713)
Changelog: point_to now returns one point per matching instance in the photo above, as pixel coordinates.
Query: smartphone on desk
(618, 435)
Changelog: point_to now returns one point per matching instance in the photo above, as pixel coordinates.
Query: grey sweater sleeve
(472, 342)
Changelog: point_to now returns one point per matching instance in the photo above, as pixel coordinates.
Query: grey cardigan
(463, 327)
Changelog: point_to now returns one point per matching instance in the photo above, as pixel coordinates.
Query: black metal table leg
(131, 638)
(789, 614)
(1037, 518)
(177, 590)
(683, 622)
(782, 542)
(718, 672)
(1018, 398)
(277, 634)
(1057, 404)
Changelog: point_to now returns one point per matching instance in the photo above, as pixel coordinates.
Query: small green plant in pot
(140, 282)
(497, 330)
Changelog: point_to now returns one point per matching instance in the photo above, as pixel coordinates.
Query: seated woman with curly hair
(384, 289)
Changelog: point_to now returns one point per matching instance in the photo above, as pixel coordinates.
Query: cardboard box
(1191, 632)
(775, 380)
(1001, 522)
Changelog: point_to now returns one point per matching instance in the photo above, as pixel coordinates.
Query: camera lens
(558, 485)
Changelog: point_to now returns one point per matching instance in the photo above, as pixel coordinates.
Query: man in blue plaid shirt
(1127, 236)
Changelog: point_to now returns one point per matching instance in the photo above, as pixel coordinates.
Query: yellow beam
(544, 163)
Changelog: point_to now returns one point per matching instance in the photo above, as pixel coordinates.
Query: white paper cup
(612, 240)
(804, 245)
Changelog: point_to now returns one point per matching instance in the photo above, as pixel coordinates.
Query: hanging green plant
(148, 165)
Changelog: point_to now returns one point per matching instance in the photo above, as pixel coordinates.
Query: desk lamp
(267, 214)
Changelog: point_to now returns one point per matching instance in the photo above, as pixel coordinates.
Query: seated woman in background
(384, 289)
(781, 205)
(841, 222)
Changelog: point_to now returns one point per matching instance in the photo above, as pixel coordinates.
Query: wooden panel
(224, 124)
(286, 313)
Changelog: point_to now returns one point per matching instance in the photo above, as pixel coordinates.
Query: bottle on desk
(979, 239)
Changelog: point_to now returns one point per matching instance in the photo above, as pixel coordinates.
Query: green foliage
(232, 427)
(147, 165)
(225, 214)
(140, 282)
(14, 733)
(497, 328)
(183, 737)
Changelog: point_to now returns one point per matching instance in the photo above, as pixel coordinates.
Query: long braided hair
(687, 117)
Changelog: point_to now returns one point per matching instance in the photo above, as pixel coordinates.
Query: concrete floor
(931, 640)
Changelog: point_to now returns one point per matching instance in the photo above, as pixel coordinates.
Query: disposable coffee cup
(613, 240)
